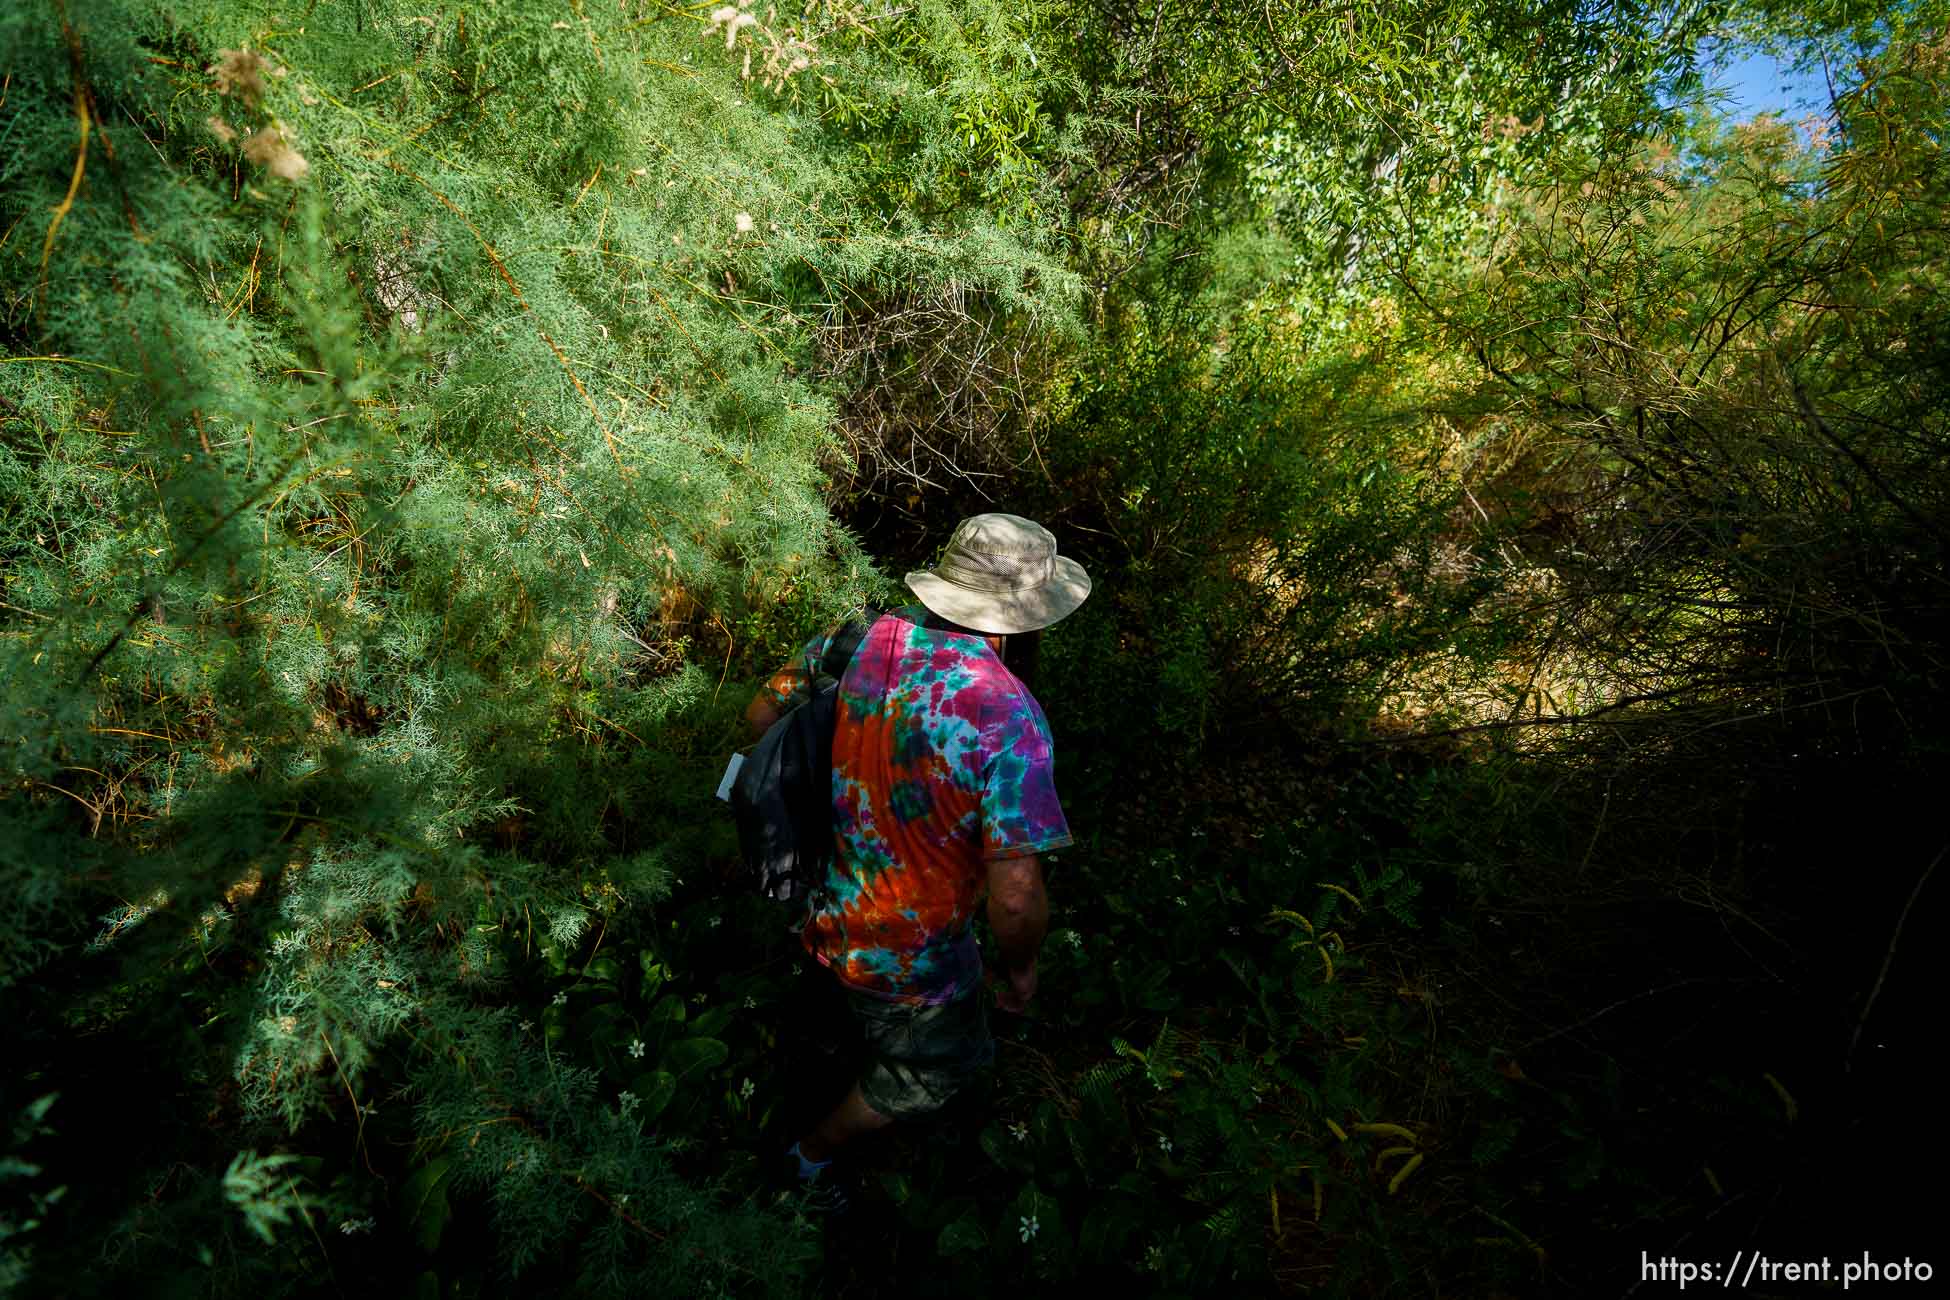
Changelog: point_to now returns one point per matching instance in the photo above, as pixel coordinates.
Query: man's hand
(762, 712)
(1014, 989)
(760, 716)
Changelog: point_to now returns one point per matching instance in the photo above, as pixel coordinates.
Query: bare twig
(1888, 958)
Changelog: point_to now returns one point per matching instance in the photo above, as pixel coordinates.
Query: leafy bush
(1263, 537)
(413, 432)
(406, 434)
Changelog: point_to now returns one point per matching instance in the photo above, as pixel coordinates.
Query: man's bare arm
(1018, 909)
(762, 712)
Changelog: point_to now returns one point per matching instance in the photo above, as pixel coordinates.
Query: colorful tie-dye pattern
(941, 760)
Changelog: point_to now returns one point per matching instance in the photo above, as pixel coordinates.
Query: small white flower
(636, 1048)
(1029, 1227)
(744, 222)
(746, 1089)
(1020, 1132)
(1232, 930)
(1180, 900)
(562, 999)
(1164, 1144)
(716, 921)
(527, 1025)
(751, 1004)
(627, 1101)
(1154, 1259)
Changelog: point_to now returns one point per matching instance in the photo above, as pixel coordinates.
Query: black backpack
(783, 794)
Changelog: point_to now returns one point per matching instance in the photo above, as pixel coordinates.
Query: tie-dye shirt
(941, 761)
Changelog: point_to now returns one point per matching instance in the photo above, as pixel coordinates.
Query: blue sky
(1758, 83)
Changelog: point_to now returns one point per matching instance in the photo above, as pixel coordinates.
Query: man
(942, 788)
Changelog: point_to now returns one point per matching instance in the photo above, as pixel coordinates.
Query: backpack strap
(841, 649)
(839, 653)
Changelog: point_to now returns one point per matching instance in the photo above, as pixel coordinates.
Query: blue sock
(808, 1169)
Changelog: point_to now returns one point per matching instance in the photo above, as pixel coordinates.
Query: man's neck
(935, 623)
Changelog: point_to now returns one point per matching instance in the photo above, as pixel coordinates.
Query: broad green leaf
(692, 1055)
(712, 1023)
(605, 1024)
(424, 1201)
(1106, 1228)
(654, 1090)
(963, 1234)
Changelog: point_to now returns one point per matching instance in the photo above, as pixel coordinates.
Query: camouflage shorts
(917, 1059)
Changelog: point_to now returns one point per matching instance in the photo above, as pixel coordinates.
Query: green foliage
(407, 431)
(1732, 339)
(1452, 112)
(1207, 1098)
(28, 1200)
(945, 109)
(1217, 489)
(417, 432)
(265, 1196)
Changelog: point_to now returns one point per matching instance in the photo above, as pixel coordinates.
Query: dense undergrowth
(1503, 743)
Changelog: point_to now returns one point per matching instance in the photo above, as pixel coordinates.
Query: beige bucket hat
(1001, 574)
